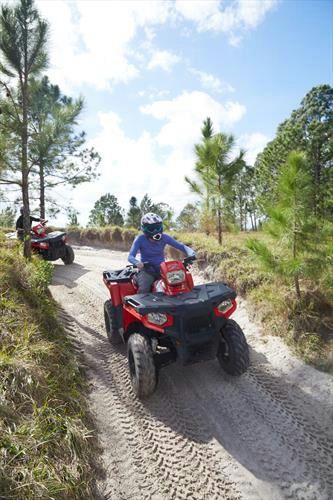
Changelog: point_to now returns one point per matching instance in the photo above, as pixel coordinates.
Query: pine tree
(57, 152)
(106, 211)
(291, 226)
(310, 129)
(215, 169)
(134, 213)
(23, 37)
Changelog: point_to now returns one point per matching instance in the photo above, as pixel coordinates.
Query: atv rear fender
(119, 283)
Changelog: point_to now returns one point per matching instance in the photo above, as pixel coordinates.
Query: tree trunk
(297, 288)
(317, 179)
(294, 250)
(255, 220)
(24, 152)
(25, 172)
(219, 215)
(41, 189)
(251, 219)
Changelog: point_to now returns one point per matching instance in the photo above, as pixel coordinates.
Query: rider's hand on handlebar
(140, 265)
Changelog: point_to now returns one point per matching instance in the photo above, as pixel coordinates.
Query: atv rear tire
(69, 256)
(141, 365)
(113, 334)
(233, 354)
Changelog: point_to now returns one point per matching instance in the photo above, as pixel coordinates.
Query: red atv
(176, 321)
(51, 246)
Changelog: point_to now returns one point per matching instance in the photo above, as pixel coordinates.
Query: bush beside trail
(45, 430)
(306, 325)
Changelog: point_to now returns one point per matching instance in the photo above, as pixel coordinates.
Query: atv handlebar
(189, 260)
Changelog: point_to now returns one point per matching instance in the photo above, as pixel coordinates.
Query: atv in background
(51, 246)
(177, 321)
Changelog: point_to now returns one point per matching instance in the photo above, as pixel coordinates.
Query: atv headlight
(157, 318)
(175, 277)
(224, 306)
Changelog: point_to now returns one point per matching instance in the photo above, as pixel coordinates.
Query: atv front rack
(210, 294)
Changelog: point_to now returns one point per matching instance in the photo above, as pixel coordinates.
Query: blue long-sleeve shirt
(153, 251)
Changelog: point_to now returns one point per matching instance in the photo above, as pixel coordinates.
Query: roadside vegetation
(305, 322)
(46, 438)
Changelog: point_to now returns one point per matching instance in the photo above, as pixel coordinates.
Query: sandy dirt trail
(203, 434)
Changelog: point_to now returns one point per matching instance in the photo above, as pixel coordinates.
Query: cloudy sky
(151, 71)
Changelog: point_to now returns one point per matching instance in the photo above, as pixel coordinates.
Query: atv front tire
(112, 333)
(233, 353)
(69, 255)
(141, 365)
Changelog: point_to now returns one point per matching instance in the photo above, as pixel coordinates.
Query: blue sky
(151, 71)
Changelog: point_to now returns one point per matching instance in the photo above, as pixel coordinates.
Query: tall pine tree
(23, 36)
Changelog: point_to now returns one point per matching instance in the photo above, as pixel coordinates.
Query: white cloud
(252, 12)
(212, 82)
(204, 13)
(135, 166)
(184, 116)
(253, 144)
(139, 162)
(163, 59)
(152, 93)
(232, 18)
(90, 40)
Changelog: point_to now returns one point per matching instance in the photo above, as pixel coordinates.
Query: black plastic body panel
(210, 295)
(195, 333)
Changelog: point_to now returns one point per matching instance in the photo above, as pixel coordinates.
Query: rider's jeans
(145, 281)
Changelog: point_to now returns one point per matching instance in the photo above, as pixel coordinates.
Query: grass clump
(45, 441)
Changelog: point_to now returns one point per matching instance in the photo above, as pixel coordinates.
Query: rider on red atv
(19, 223)
(151, 246)
(173, 320)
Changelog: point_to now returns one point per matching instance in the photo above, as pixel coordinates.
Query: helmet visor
(152, 229)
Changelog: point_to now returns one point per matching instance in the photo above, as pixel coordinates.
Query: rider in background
(151, 246)
(19, 223)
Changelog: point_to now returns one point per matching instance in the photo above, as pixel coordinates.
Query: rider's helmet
(152, 226)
